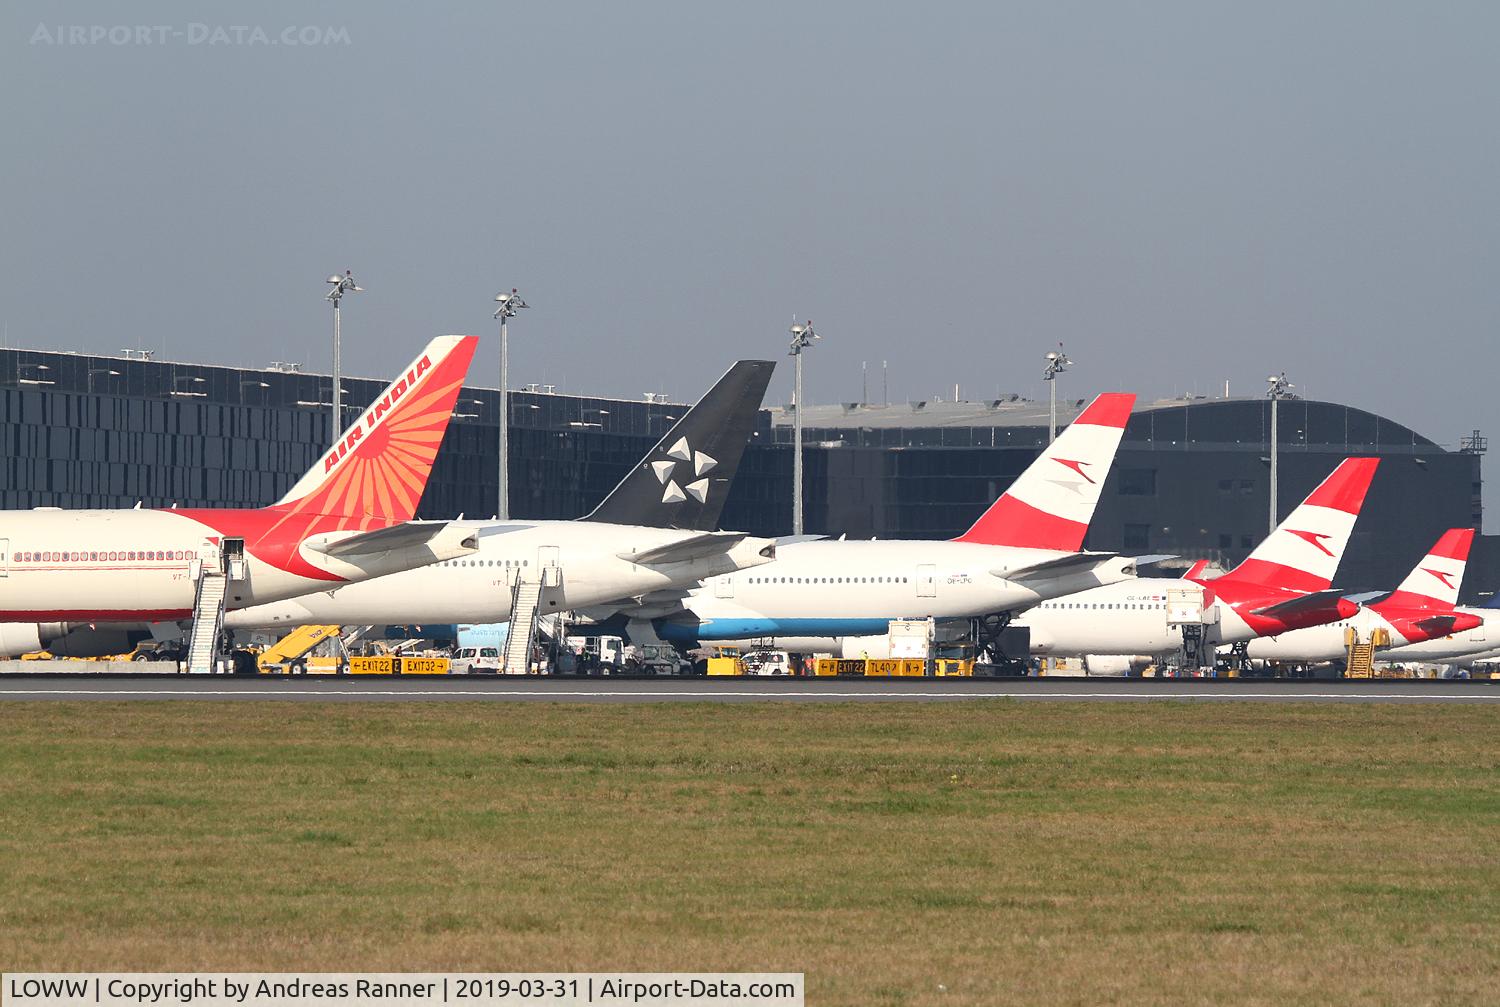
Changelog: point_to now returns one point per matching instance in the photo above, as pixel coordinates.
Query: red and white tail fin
(376, 474)
(1051, 504)
(1303, 553)
(1435, 582)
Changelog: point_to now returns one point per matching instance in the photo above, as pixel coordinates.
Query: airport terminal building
(1191, 479)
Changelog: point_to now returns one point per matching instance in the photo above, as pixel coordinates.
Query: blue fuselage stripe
(743, 629)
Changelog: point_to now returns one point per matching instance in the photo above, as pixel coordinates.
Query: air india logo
(374, 415)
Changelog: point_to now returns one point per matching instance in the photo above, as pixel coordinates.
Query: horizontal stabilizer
(1061, 566)
(1437, 625)
(385, 540)
(1303, 605)
(697, 547)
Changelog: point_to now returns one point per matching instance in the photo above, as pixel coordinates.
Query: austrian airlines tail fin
(1303, 553)
(376, 473)
(684, 481)
(1435, 582)
(1050, 505)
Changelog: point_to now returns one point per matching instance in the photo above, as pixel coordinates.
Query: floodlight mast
(1057, 362)
(803, 336)
(1278, 388)
(341, 285)
(509, 304)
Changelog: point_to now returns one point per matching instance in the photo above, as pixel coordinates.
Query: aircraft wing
(1307, 604)
(382, 541)
(1061, 566)
(656, 605)
(683, 550)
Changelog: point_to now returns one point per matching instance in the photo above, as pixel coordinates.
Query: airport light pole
(1057, 362)
(341, 285)
(803, 336)
(1279, 388)
(509, 304)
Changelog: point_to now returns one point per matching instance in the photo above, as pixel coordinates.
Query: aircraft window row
(128, 556)
(828, 580)
(486, 562)
(1097, 605)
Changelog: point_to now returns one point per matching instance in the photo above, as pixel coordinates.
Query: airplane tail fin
(684, 480)
(1303, 553)
(376, 473)
(1435, 581)
(1050, 505)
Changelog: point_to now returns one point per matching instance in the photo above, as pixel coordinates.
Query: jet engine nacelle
(90, 641)
(1114, 665)
(874, 647)
(17, 638)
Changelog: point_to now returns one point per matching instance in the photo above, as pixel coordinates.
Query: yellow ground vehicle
(726, 661)
(289, 655)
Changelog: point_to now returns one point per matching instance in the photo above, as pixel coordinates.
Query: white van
(476, 661)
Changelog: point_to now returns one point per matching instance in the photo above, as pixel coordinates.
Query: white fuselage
(579, 563)
(840, 588)
(1456, 648)
(1328, 642)
(1129, 618)
(139, 565)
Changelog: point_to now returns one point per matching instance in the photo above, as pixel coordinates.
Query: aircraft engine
(1114, 665)
(17, 638)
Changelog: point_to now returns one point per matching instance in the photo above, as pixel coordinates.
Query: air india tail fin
(1303, 553)
(376, 473)
(1435, 581)
(1051, 504)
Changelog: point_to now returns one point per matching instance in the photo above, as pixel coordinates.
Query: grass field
(988, 852)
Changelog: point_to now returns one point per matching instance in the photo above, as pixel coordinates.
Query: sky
(1183, 194)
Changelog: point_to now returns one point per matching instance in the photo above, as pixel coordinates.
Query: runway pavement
(736, 690)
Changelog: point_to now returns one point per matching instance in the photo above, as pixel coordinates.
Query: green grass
(986, 852)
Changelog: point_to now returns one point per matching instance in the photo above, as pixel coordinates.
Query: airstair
(525, 598)
(208, 621)
(1361, 661)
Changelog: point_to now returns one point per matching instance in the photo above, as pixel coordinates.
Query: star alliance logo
(666, 469)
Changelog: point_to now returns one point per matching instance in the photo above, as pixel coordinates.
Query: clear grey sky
(1181, 192)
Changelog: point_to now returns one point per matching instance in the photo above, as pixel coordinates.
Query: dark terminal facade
(1191, 479)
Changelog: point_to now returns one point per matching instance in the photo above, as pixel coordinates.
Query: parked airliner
(1283, 585)
(1420, 610)
(653, 532)
(346, 520)
(1024, 548)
